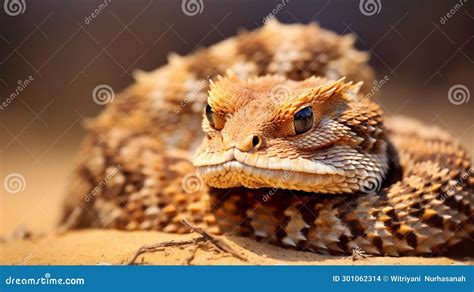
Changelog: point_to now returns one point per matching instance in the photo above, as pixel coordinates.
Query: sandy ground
(95, 247)
(38, 209)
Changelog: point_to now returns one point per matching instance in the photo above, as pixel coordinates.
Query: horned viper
(291, 151)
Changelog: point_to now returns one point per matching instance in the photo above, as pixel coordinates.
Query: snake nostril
(251, 142)
(256, 141)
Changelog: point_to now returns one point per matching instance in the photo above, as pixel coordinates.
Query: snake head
(314, 135)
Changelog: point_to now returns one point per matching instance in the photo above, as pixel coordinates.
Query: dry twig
(358, 254)
(205, 237)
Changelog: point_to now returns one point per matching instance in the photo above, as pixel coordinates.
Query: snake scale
(290, 150)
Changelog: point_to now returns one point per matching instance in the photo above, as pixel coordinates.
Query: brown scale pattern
(132, 165)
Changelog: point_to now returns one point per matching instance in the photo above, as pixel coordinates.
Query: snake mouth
(234, 169)
(264, 162)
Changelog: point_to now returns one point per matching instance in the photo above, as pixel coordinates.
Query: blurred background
(53, 53)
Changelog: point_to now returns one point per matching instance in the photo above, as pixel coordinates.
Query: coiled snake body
(289, 150)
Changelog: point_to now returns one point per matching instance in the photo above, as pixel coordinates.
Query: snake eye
(303, 120)
(210, 115)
